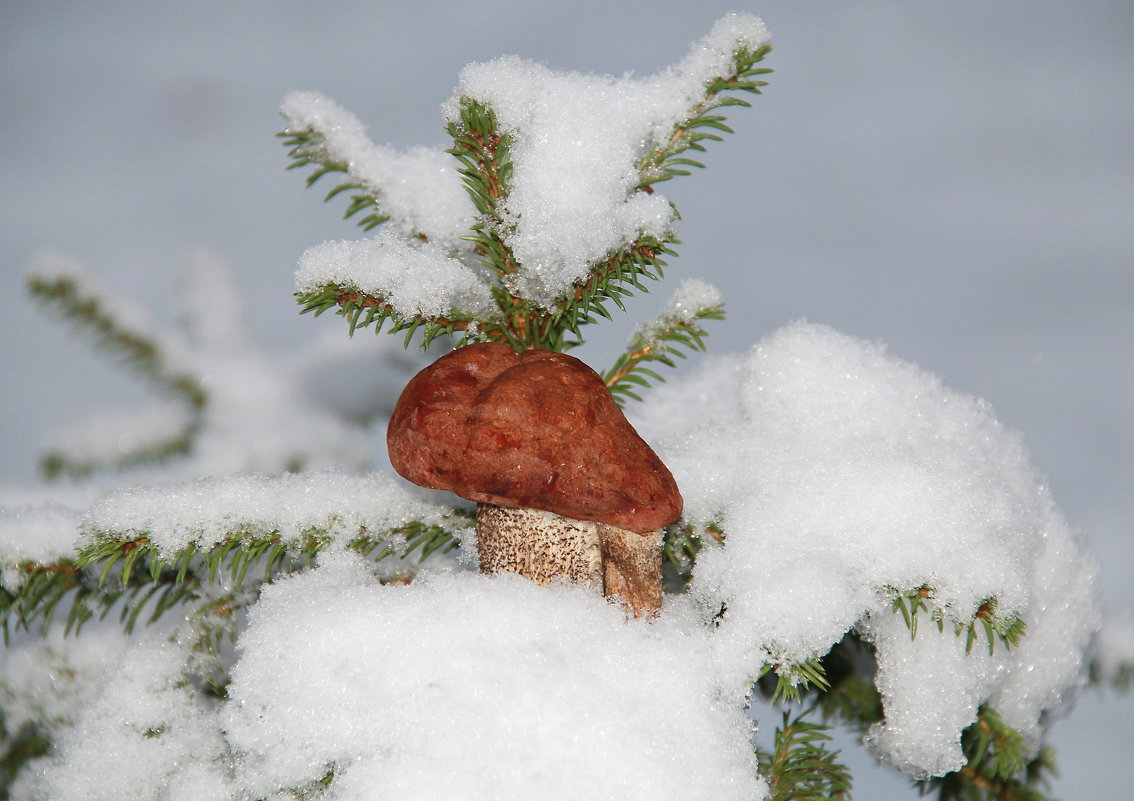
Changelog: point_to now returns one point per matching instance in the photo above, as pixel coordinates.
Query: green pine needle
(659, 342)
(87, 311)
(802, 767)
(665, 161)
(130, 574)
(998, 766)
(995, 626)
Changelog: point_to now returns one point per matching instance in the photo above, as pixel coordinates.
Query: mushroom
(564, 485)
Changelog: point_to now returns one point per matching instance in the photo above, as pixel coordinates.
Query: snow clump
(843, 476)
(205, 512)
(414, 279)
(573, 197)
(420, 189)
(467, 686)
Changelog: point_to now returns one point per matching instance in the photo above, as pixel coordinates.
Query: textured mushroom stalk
(543, 546)
(564, 484)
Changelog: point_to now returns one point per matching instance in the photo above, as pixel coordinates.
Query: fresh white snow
(839, 474)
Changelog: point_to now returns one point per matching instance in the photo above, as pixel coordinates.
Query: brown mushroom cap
(536, 429)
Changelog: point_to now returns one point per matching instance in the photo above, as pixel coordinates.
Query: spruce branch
(1008, 628)
(18, 748)
(128, 571)
(61, 460)
(672, 333)
(793, 679)
(998, 766)
(362, 310)
(665, 161)
(680, 546)
(307, 148)
(801, 766)
(137, 350)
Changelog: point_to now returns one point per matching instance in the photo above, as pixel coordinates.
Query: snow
(146, 736)
(414, 279)
(46, 679)
(204, 512)
(472, 687)
(261, 412)
(42, 533)
(420, 189)
(692, 297)
(837, 466)
(573, 198)
(839, 473)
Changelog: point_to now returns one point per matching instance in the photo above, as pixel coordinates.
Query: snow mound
(842, 475)
(464, 686)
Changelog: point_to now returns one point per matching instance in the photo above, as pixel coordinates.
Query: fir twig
(680, 546)
(307, 148)
(1008, 628)
(665, 160)
(997, 766)
(141, 353)
(362, 310)
(793, 679)
(129, 572)
(58, 462)
(668, 336)
(801, 766)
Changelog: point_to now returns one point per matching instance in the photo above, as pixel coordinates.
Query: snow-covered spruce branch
(675, 330)
(120, 441)
(169, 544)
(116, 326)
(361, 285)
(416, 190)
(132, 570)
(1008, 628)
(1000, 766)
(309, 147)
(544, 283)
(665, 162)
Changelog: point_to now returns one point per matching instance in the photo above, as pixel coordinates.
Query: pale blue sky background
(954, 178)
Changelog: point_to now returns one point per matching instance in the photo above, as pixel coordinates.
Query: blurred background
(954, 179)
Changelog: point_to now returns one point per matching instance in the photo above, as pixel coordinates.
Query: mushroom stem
(543, 546)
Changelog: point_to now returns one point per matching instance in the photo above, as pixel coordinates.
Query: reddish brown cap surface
(536, 429)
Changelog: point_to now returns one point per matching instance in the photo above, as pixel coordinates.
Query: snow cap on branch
(420, 188)
(204, 512)
(43, 533)
(843, 476)
(413, 278)
(578, 143)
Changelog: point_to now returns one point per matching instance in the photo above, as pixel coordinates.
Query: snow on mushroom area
(840, 474)
(573, 197)
(473, 687)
